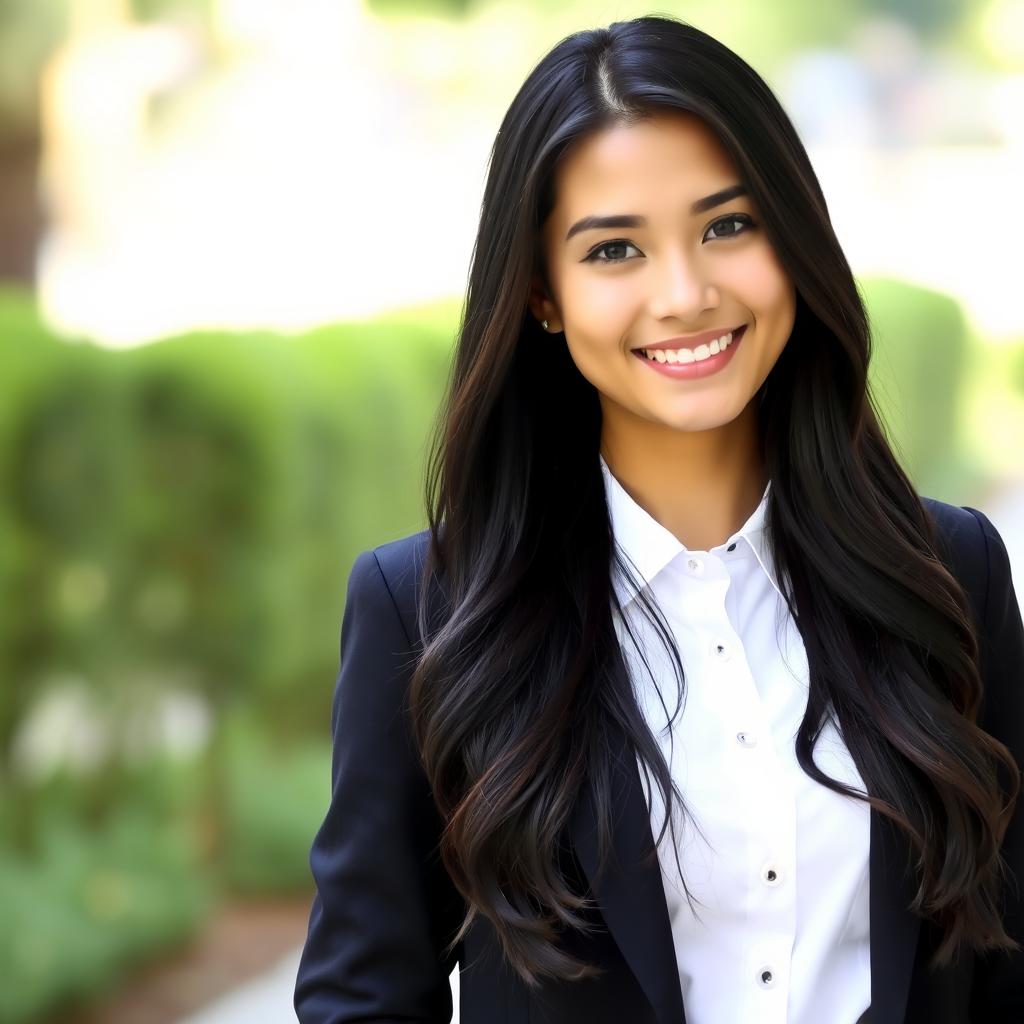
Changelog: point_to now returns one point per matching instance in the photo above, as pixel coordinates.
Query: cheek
(763, 284)
(598, 302)
(595, 346)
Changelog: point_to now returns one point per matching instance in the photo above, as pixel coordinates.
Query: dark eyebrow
(633, 220)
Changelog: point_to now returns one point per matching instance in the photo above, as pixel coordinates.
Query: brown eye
(740, 218)
(616, 244)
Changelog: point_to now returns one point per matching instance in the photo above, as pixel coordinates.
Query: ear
(542, 306)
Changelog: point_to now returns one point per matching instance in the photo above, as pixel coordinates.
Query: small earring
(544, 324)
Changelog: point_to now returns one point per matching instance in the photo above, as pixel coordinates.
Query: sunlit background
(234, 237)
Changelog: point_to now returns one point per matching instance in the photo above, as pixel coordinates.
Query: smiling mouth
(682, 355)
(661, 346)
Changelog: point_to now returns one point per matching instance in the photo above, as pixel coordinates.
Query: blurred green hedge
(183, 516)
(920, 373)
(90, 905)
(190, 509)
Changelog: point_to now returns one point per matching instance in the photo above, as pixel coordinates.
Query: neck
(702, 486)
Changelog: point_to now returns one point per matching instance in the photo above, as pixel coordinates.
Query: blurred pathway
(268, 998)
(243, 943)
(264, 1000)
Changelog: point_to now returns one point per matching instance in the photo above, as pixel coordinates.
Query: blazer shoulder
(401, 564)
(403, 554)
(962, 544)
(973, 551)
(958, 525)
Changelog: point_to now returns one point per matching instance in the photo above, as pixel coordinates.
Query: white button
(766, 976)
(721, 649)
(748, 739)
(771, 873)
(695, 565)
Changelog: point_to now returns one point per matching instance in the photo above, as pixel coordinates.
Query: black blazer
(385, 906)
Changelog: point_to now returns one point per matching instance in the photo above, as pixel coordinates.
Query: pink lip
(691, 371)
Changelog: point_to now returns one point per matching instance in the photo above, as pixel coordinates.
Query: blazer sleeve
(384, 905)
(997, 996)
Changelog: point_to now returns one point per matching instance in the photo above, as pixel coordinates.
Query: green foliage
(277, 799)
(90, 905)
(157, 10)
(917, 378)
(423, 8)
(192, 507)
(30, 30)
(93, 902)
(1016, 368)
(932, 19)
(186, 514)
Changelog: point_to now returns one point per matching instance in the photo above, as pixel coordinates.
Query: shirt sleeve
(998, 993)
(384, 905)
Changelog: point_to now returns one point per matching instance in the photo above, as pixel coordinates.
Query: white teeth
(685, 355)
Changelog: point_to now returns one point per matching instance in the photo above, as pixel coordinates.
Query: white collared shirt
(780, 876)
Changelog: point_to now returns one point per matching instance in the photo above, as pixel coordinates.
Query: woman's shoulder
(962, 545)
(401, 560)
(960, 524)
(401, 564)
(967, 536)
(975, 553)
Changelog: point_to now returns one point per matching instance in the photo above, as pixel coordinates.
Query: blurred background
(234, 237)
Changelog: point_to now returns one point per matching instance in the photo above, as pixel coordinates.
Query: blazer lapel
(631, 898)
(894, 928)
(630, 894)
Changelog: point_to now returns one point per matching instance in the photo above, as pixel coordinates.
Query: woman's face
(676, 271)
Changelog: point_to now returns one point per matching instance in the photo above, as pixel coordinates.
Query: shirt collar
(650, 546)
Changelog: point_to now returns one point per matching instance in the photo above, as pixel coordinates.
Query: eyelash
(746, 221)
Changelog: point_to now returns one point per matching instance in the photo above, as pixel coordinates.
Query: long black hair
(515, 687)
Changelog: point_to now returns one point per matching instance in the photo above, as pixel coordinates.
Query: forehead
(673, 155)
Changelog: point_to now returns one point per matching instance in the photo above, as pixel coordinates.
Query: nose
(681, 289)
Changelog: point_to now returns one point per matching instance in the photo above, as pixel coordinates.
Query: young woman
(659, 467)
